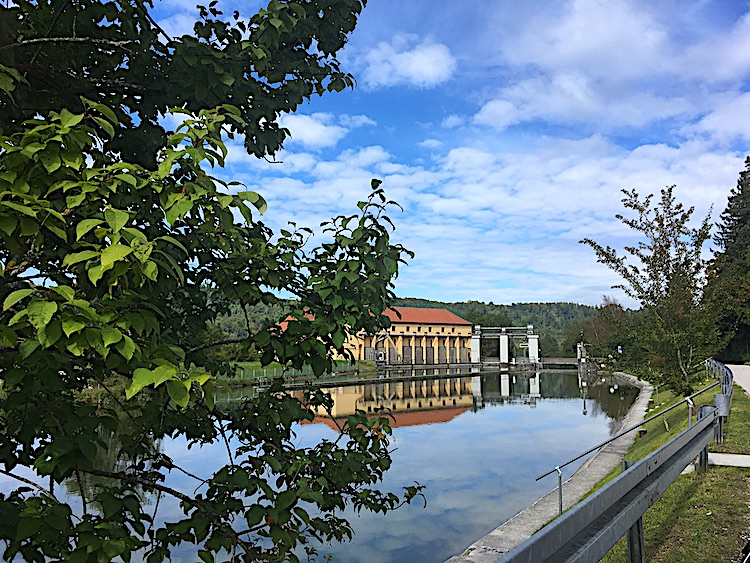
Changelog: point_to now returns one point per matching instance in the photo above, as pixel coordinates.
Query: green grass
(701, 516)
(736, 434)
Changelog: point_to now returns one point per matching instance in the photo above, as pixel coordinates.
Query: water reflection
(476, 441)
(478, 458)
(436, 399)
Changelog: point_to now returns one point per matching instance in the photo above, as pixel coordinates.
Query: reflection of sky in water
(479, 469)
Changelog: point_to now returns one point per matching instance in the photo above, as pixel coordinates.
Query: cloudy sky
(507, 129)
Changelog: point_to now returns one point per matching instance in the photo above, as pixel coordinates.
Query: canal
(475, 442)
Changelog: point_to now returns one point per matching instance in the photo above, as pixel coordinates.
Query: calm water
(479, 462)
(478, 450)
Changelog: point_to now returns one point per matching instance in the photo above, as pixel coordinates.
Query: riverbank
(523, 525)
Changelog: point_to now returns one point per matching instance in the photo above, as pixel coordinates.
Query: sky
(506, 130)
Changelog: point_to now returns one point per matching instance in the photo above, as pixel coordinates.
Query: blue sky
(507, 129)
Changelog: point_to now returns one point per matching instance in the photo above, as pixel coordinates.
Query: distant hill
(544, 316)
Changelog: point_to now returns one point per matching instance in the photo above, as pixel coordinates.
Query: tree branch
(132, 479)
(38, 40)
(215, 343)
(31, 483)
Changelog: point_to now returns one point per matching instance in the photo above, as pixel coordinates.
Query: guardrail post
(722, 403)
(703, 410)
(559, 488)
(636, 547)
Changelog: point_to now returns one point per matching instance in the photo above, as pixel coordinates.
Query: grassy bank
(701, 517)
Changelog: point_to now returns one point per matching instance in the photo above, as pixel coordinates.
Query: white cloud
(452, 121)
(354, 121)
(178, 24)
(601, 38)
(431, 144)
(729, 121)
(314, 131)
(723, 57)
(404, 61)
(573, 98)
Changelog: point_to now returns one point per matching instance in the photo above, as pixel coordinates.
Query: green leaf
(174, 241)
(75, 200)
(141, 378)
(95, 273)
(104, 110)
(50, 160)
(15, 297)
(255, 199)
(85, 226)
(110, 335)
(114, 253)
(68, 119)
(49, 333)
(178, 209)
(151, 270)
(164, 373)
(116, 218)
(65, 291)
(71, 325)
(20, 208)
(8, 224)
(127, 178)
(27, 527)
(286, 499)
(178, 393)
(71, 259)
(106, 126)
(7, 336)
(57, 230)
(40, 312)
(126, 347)
(27, 347)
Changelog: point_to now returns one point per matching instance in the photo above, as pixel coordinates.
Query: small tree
(666, 274)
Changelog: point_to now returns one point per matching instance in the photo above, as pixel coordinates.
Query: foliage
(729, 283)
(114, 53)
(666, 274)
(119, 250)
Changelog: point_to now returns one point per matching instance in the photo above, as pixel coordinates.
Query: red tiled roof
(282, 326)
(417, 315)
(403, 418)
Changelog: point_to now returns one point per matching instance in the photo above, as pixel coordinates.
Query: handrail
(591, 528)
(613, 438)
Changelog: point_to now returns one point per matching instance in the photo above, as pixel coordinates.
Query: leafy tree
(666, 273)
(729, 283)
(120, 248)
(114, 53)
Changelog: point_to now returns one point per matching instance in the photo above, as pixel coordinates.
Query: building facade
(416, 337)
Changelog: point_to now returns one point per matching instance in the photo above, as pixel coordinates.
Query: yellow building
(416, 337)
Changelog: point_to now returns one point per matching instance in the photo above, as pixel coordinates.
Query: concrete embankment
(523, 525)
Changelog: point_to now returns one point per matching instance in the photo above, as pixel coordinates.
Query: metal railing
(266, 375)
(723, 400)
(590, 529)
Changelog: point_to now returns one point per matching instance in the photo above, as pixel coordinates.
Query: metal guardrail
(590, 529)
(722, 401)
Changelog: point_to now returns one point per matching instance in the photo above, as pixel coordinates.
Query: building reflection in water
(428, 400)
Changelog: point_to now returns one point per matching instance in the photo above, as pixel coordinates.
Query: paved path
(741, 376)
(521, 527)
